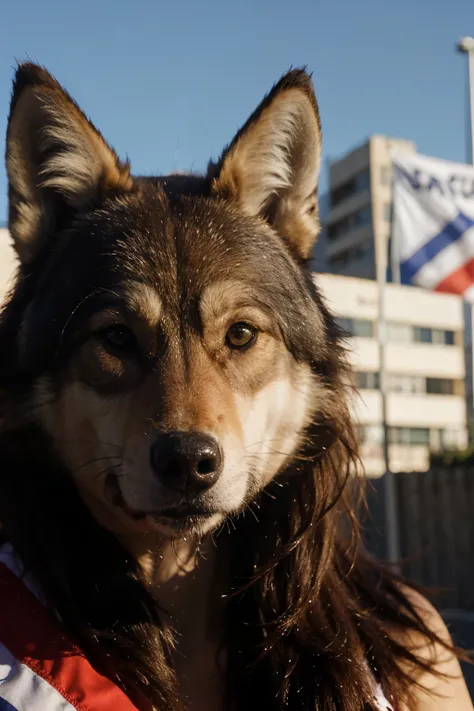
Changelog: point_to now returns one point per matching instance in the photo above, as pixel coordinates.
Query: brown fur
(249, 173)
(175, 262)
(45, 119)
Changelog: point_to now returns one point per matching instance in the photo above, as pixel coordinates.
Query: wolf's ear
(271, 167)
(58, 164)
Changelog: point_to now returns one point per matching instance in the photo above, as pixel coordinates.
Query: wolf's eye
(241, 335)
(120, 338)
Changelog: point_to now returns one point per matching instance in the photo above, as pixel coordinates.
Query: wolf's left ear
(58, 164)
(271, 167)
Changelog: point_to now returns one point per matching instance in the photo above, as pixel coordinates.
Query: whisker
(249, 507)
(77, 307)
(93, 461)
(107, 470)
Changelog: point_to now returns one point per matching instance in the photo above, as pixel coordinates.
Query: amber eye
(119, 338)
(241, 335)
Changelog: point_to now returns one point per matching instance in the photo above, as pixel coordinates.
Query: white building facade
(426, 406)
(358, 216)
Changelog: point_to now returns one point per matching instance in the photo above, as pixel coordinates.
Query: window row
(373, 434)
(404, 333)
(409, 384)
(398, 332)
(357, 184)
(350, 187)
(357, 253)
(359, 218)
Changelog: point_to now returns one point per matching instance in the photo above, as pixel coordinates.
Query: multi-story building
(428, 356)
(357, 217)
(424, 356)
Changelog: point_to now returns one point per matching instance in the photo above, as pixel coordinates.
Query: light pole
(466, 46)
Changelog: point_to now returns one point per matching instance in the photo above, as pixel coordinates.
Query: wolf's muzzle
(189, 462)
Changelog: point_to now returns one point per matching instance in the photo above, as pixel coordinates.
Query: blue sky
(168, 83)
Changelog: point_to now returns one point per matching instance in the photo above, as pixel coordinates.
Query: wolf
(175, 423)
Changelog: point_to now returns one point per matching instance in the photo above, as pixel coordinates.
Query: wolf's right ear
(271, 167)
(57, 162)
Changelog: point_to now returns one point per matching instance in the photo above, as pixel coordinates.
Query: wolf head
(176, 348)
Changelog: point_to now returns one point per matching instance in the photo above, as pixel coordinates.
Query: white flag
(433, 224)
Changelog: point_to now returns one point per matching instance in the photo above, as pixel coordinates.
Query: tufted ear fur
(58, 164)
(271, 167)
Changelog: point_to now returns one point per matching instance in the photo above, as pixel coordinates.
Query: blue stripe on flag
(448, 235)
(6, 706)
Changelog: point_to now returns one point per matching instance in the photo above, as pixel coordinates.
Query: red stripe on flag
(459, 281)
(36, 639)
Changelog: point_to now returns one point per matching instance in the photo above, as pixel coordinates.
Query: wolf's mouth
(183, 511)
(175, 513)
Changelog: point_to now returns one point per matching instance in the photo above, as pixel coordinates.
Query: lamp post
(466, 46)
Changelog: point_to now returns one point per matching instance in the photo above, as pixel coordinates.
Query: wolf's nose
(186, 460)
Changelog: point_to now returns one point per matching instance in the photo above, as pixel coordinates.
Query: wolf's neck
(188, 579)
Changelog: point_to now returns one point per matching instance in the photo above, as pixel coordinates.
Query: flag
(433, 223)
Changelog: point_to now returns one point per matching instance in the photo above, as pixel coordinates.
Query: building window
(438, 337)
(370, 434)
(352, 254)
(399, 332)
(408, 384)
(409, 435)
(422, 334)
(340, 259)
(450, 439)
(404, 333)
(350, 187)
(336, 229)
(443, 338)
(363, 216)
(356, 219)
(418, 385)
(367, 380)
(342, 192)
(363, 181)
(439, 386)
(363, 328)
(357, 327)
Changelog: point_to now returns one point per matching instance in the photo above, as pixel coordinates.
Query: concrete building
(357, 217)
(426, 407)
(430, 339)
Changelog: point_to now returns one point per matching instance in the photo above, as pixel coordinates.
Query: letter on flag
(433, 224)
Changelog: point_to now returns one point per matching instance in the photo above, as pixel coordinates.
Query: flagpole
(471, 97)
(390, 491)
(466, 46)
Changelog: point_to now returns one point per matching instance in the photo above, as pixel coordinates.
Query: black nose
(186, 460)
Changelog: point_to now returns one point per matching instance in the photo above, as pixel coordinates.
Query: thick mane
(309, 610)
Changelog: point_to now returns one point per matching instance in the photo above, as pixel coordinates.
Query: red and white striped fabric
(40, 668)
